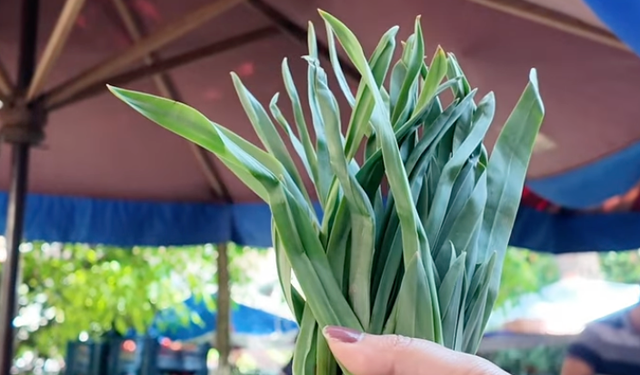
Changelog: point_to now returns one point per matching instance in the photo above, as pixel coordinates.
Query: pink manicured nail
(341, 334)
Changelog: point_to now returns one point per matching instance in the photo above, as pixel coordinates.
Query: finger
(364, 354)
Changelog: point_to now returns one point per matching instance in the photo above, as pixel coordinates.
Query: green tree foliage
(71, 289)
(530, 361)
(621, 266)
(524, 272)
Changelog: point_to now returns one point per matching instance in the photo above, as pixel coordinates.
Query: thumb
(364, 354)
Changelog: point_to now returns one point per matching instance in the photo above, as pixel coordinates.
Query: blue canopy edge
(129, 223)
(244, 319)
(622, 17)
(592, 184)
(124, 223)
(575, 232)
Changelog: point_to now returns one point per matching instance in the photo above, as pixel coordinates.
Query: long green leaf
(307, 257)
(436, 74)
(466, 229)
(301, 124)
(334, 57)
(304, 356)
(291, 295)
(441, 201)
(463, 88)
(268, 133)
(338, 246)
(362, 215)
(359, 122)
(506, 174)
(450, 293)
(413, 235)
(295, 141)
(416, 312)
(325, 363)
(412, 59)
(325, 178)
(194, 126)
(475, 324)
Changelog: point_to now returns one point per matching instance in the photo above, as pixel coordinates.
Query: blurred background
(128, 251)
(82, 293)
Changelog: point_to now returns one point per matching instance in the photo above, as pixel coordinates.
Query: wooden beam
(6, 87)
(556, 20)
(165, 65)
(299, 34)
(151, 43)
(167, 88)
(54, 47)
(135, 33)
(223, 326)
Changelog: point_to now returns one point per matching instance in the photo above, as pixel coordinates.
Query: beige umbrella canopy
(97, 149)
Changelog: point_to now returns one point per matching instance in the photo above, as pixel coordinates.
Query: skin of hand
(575, 366)
(365, 354)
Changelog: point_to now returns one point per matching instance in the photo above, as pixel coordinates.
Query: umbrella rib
(166, 64)
(298, 33)
(137, 51)
(210, 172)
(167, 88)
(554, 20)
(6, 87)
(54, 47)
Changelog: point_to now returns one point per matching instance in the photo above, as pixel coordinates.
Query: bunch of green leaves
(425, 262)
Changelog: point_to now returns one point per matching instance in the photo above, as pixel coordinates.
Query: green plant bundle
(425, 262)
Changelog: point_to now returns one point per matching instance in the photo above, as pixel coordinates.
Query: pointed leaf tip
(311, 61)
(118, 92)
(327, 16)
(533, 77)
(113, 89)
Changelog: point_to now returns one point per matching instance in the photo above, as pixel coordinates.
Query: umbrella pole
(15, 219)
(21, 127)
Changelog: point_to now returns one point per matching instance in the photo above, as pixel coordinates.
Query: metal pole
(223, 329)
(15, 216)
(17, 192)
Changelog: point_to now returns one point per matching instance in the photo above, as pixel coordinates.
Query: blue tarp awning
(621, 17)
(245, 320)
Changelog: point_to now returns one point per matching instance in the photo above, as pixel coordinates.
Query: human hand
(364, 354)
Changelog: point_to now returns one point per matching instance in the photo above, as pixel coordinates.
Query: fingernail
(341, 334)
